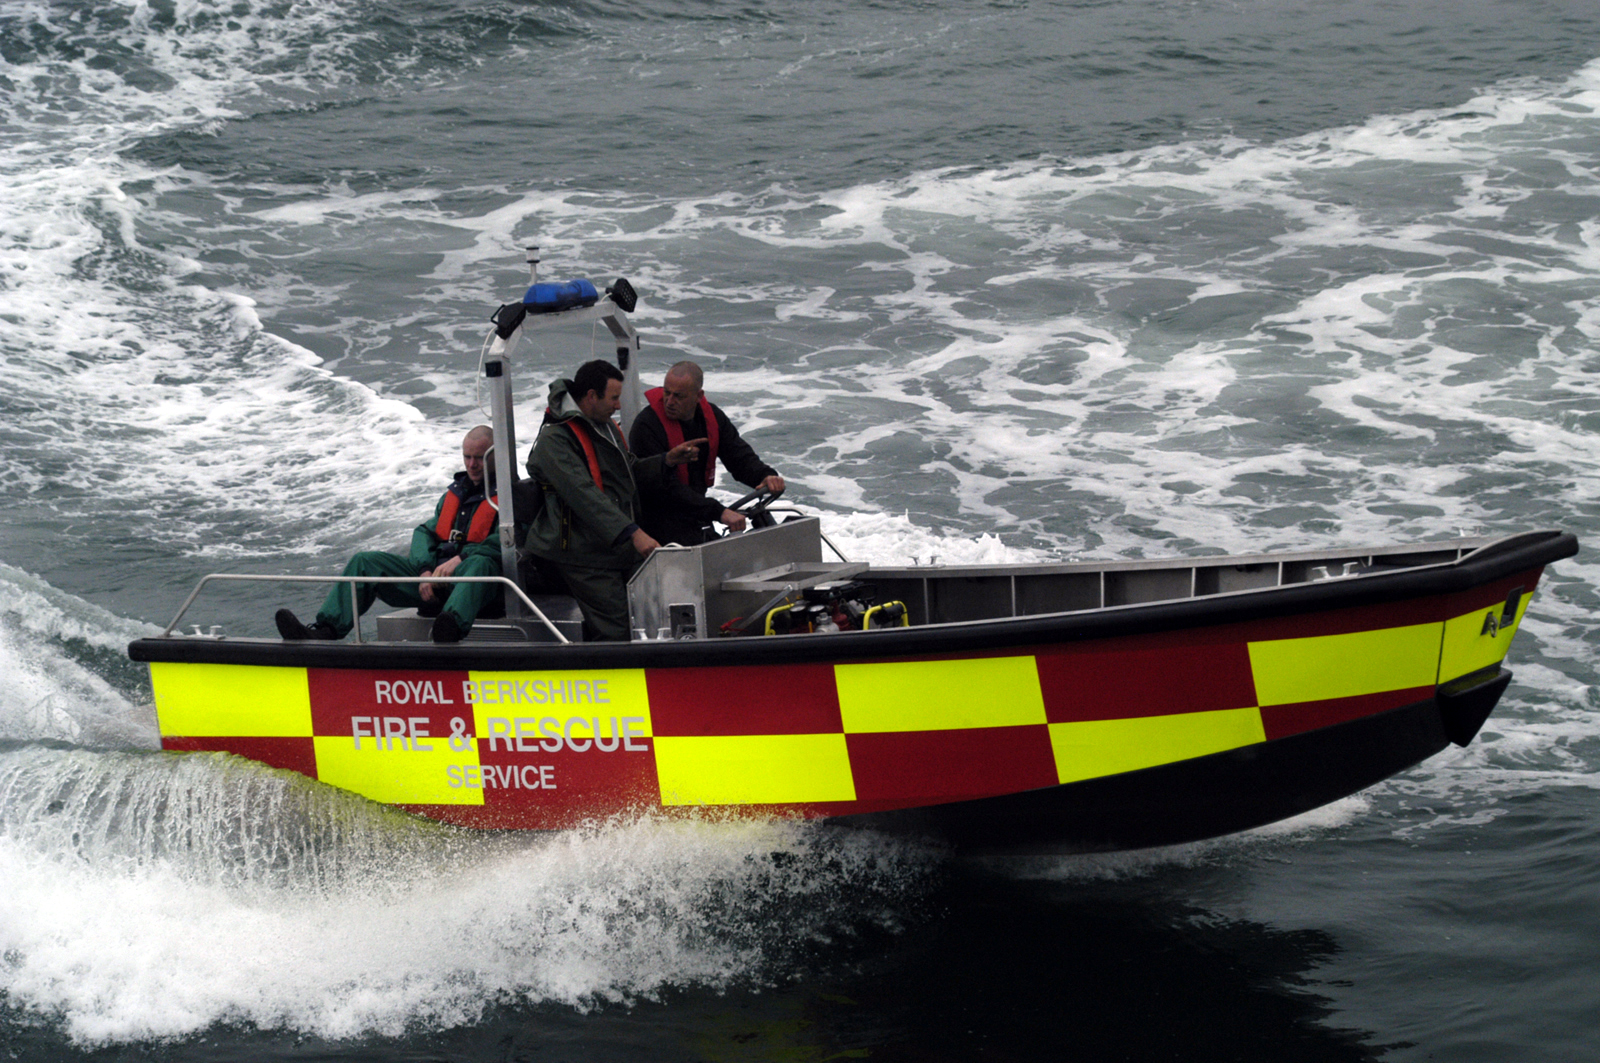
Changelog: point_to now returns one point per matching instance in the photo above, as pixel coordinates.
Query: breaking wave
(153, 896)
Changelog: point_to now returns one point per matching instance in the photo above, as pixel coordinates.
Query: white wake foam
(153, 896)
(63, 673)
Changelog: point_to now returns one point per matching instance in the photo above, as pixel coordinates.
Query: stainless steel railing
(230, 577)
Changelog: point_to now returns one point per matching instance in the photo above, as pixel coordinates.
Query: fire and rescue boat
(1063, 706)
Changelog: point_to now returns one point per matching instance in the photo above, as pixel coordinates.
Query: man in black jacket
(679, 410)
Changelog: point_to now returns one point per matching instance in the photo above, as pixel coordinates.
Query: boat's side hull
(1203, 797)
(1129, 739)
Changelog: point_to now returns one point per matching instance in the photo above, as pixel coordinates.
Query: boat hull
(1198, 798)
(1120, 728)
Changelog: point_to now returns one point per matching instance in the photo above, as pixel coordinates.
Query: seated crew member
(588, 528)
(677, 410)
(462, 539)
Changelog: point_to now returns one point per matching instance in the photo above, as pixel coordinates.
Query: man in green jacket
(462, 539)
(588, 527)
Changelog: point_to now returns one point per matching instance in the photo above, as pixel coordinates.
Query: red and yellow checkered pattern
(551, 749)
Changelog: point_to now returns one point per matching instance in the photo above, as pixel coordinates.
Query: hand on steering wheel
(754, 505)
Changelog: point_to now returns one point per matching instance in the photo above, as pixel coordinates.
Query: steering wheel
(754, 507)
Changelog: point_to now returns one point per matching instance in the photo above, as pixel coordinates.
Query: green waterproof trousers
(602, 595)
(463, 604)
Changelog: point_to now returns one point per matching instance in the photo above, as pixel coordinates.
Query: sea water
(986, 282)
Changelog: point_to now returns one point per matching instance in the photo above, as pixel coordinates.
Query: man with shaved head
(461, 540)
(679, 410)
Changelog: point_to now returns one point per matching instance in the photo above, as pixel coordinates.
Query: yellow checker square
(1089, 749)
(754, 769)
(399, 771)
(1471, 644)
(231, 700)
(604, 694)
(939, 695)
(1324, 667)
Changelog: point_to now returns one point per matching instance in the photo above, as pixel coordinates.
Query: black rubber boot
(290, 627)
(445, 629)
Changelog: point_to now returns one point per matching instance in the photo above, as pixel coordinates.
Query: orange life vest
(587, 444)
(674, 431)
(482, 518)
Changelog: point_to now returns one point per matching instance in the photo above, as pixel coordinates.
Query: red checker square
(1492, 596)
(1281, 720)
(744, 700)
(909, 767)
(551, 791)
(290, 754)
(404, 699)
(1100, 684)
(1319, 623)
